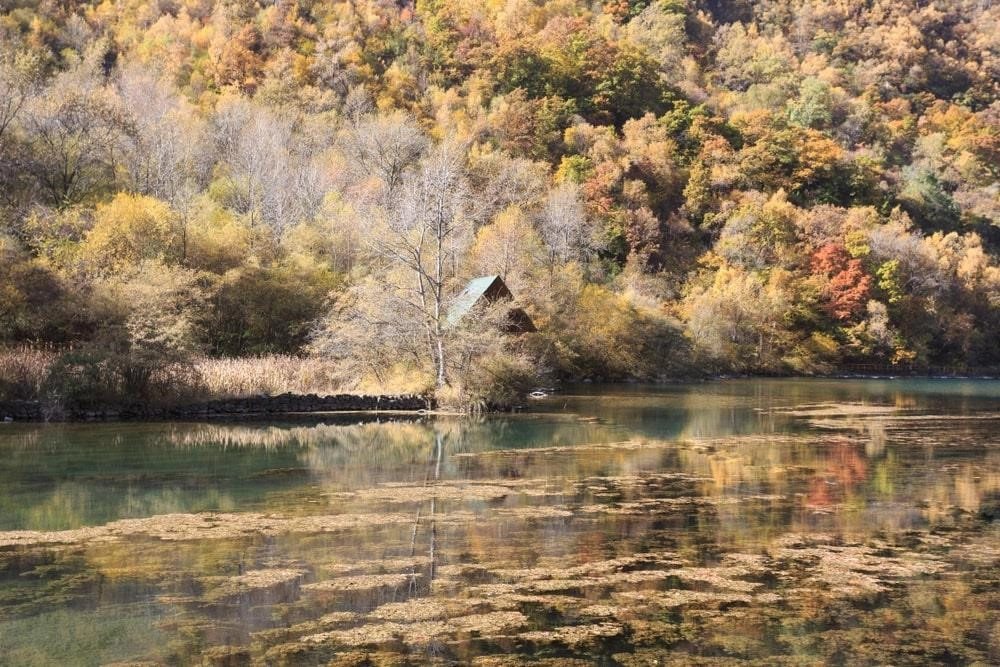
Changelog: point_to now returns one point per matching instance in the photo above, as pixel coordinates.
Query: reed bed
(23, 371)
(272, 374)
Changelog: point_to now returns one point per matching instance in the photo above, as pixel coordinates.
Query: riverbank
(287, 403)
(290, 403)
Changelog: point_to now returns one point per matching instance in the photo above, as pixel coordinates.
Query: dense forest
(674, 187)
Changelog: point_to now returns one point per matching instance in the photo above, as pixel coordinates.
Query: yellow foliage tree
(509, 247)
(129, 229)
(738, 319)
(215, 239)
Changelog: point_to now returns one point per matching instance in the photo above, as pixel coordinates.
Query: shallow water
(777, 521)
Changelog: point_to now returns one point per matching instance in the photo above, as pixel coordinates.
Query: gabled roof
(487, 288)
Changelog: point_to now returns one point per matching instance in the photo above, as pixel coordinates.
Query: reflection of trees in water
(439, 439)
(855, 459)
(475, 500)
(394, 435)
(566, 506)
(73, 504)
(289, 436)
(971, 487)
(62, 509)
(18, 439)
(845, 468)
(370, 454)
(875, 444)
(74, 475)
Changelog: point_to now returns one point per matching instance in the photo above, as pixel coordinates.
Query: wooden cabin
(487, 290)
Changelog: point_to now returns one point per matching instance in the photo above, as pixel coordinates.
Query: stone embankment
(218, 409)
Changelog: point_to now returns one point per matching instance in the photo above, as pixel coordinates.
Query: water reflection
(823, 522)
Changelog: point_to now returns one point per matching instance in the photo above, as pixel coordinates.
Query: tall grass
(23, 371)
(273, 374)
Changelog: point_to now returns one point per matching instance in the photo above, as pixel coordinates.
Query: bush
(598, 334)
(266, 310)
(36, 302)
(497, 381)
(129, 229)
(92, 377)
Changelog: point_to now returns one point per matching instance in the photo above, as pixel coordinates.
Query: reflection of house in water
(486, 291)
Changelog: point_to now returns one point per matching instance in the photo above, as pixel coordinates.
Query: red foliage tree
(847, 285)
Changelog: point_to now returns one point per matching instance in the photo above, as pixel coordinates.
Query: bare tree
(73, 128)
(426, 230)
(383, 147)
(501, 181)
(18, 76)
(564, 224)
(255, 146)
(373, 326)
(19, 72)
(169, 153)
(398, 312)
(276, 166)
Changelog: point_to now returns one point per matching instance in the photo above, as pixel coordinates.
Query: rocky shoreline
(36, 411)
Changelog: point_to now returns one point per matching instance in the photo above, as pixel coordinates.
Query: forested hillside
(667, 187)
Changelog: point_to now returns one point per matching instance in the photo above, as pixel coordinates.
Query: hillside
(667, 188)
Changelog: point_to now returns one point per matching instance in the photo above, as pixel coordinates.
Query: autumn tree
(509, 247)
(375, 333)
(382, 147)
(760, 232)
(36, 302)
(424, 232)
(73, 128)
(168, 155)
(661, 32)
(19, 72)
(167, 307)
(800, 183)
(565, 226)
(846, 286)
(127, 230)
(737, 318)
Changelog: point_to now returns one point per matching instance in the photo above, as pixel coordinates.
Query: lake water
(778, 521)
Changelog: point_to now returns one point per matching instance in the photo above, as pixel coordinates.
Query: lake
(779, 521)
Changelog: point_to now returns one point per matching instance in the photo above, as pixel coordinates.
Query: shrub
(497, 381)
(91, 377)
(127, 230)
(266, 310)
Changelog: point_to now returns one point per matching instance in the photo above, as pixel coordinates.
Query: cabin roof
(483, 288)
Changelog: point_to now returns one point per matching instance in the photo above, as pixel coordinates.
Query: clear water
(778, 521)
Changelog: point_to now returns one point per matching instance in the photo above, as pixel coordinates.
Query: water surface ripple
(789, 522)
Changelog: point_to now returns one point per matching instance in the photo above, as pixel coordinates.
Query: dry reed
(23, 371)
(272, 375)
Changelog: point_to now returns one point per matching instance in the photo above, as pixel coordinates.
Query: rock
(989, 507)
